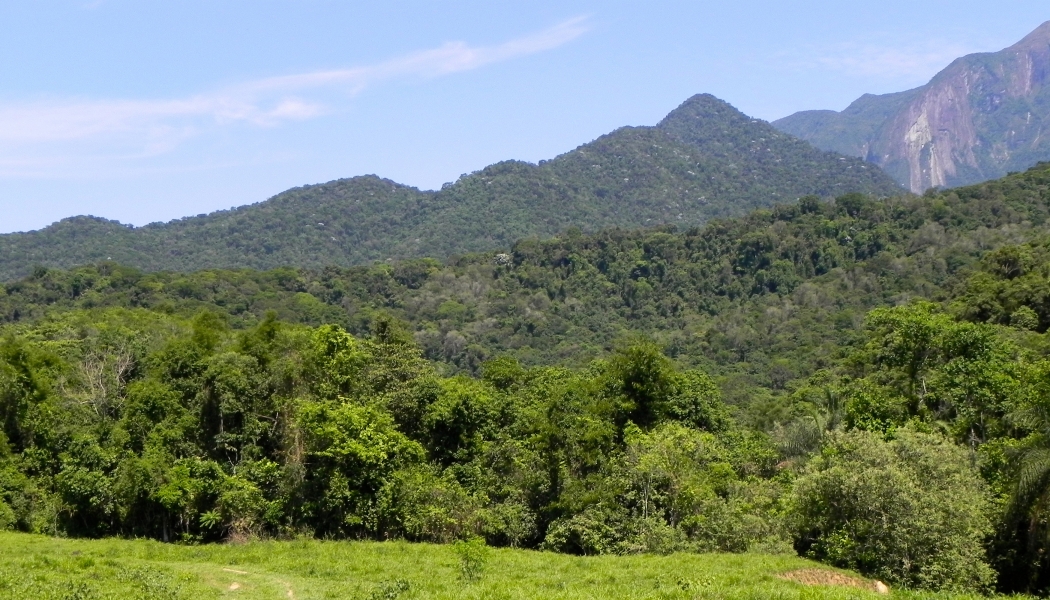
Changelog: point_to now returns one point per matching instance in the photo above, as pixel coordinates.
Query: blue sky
(149, 110)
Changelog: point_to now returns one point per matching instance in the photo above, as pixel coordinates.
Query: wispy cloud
(45, 132)
(450, 58)
(870, 60)
(884, 59)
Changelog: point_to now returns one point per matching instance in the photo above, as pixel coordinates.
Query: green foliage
(911, 511)
(619, 393)
(696, 481)
(696, 401)
(706, 160)
(473, 555)
(424, 505)
(390, 590)
(216, 433)
(350, 451)
(921, 363)
(7, 516)
(709, 296)
(111, 569)
(1010, 288)
(1027, 531)
(638, 382)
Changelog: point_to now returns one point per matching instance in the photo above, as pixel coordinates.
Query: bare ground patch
(824, 577)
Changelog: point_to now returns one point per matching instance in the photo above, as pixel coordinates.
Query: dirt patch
(823, 577)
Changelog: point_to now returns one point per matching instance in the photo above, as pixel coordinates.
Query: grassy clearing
(44, 568)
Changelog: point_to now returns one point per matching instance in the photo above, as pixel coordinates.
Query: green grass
(43, 568)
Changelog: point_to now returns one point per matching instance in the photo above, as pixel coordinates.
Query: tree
(920, 362)
(642, 381)
(21, 388)
(911, 511)
(351, 451)
(1028, 511)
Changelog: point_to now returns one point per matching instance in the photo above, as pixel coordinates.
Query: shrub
(692, 479)
(607, 528)
(424, 505)
(473, 554)
(390, 590)
(911, 511)
(7, 516)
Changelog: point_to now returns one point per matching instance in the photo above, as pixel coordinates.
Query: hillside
(983, 116)
(851, 382)
(756, 300)
(705, 160)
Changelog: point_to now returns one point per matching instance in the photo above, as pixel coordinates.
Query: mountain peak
(704, 119)
(705, 160)
(1040, 37)
(703, 106)
(981, 117)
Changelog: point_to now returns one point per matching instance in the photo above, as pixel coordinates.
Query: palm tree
(1029, 508)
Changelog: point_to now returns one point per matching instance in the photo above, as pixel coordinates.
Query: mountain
(704, 160)
(733, 294)
(983, 116)
(203, 406)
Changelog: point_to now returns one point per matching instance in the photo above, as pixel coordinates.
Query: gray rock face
(981, 117)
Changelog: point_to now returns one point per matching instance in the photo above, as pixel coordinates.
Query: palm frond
(1033, 483)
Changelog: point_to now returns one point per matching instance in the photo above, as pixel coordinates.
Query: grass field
(35, 567)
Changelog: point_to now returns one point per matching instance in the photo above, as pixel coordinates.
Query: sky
(150, 110)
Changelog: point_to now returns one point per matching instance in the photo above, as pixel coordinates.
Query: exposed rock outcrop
(981, 117)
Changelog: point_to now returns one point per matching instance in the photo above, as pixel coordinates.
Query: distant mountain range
(983, 116)
(704, 160)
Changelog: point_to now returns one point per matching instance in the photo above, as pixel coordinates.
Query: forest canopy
(706, 160)
(863, 382)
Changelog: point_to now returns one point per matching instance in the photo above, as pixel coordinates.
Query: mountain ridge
(705, 160)
(982, 116)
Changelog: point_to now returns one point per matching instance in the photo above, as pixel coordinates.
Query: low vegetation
(48, 568)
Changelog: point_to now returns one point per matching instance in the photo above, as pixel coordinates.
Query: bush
(390, 590)
(611, 529)
(692, 480)
(7, 516)
(911, 511)
(473, 554)
(424, 505)
(675, 489)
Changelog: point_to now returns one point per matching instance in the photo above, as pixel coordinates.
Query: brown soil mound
(822, 577)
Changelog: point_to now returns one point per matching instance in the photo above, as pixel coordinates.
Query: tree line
(862, 382)
(920, 459)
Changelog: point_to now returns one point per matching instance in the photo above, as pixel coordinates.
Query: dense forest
(756, 301)
(862, 381)
(705, 160)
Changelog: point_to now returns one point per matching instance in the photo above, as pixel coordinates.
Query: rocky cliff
(981, 117)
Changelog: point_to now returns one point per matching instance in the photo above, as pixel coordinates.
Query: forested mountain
(757, 301)
(983, 116)
(705, 160)
(860, 381)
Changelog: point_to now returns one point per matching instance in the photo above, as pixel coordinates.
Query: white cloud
(883, 60)
(869, 60)
(37, 136)
(450, 58)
